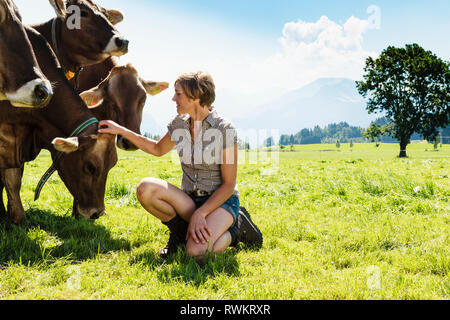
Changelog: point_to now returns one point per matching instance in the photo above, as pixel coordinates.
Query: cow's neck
(36, 128)
(102, 112)
(64, 56)
(66, 110)
(93, 75)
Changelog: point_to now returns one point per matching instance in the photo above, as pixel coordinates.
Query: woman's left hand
(198, 229)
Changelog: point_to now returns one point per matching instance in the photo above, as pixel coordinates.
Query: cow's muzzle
(34, 94)
(124, 144)
(92, 214)
(122, 44)
(42, 96)
(97, 215)
(117, 46)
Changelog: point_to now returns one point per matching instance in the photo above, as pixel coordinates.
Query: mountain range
(324, 101)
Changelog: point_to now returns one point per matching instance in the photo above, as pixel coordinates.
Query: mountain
(324, 101)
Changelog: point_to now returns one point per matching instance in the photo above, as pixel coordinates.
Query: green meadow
(338, 223)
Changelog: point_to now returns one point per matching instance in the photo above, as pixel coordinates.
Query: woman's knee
(195, 250)
(147, 188)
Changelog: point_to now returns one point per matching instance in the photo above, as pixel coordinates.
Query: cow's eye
(89, 168)
(142, 101)
(84, 14)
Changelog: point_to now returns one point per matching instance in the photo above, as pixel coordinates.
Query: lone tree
(412, 87)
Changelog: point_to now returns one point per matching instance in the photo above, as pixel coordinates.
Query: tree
(269, 142)
(412, 87)
(338, 144)
(376, 131)
(436, 143)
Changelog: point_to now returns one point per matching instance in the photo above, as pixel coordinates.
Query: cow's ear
(66, 145)
(115, 16)
(154, 88)
(2, 14)
(60, 7)
(94, 97)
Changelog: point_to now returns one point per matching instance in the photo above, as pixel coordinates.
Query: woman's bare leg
(222, 243)
(218, 221)
(164, 200)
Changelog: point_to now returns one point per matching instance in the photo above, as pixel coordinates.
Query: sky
(257, 50)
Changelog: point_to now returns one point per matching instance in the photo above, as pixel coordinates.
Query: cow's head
(21, 80)
(121, 97)
(95, 38)
(84, 168)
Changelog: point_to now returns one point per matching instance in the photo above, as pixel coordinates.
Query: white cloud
(311, 50)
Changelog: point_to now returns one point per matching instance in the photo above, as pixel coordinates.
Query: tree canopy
(411, 86)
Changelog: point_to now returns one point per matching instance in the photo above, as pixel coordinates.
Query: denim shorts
(231, 205)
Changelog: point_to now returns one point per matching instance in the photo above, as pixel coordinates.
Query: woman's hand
(108, 126)
(198, 229)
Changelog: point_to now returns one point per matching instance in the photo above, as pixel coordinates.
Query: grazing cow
(84, 161)
(21, 80)
(121, 97)
(94, 40)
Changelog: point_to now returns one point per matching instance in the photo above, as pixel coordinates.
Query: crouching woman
(203, 214)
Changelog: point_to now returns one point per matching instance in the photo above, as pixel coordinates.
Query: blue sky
(402, 20)
(258, 49)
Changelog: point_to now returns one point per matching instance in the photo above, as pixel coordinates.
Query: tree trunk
(403, 145)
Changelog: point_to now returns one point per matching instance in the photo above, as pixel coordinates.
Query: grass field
(337, 223)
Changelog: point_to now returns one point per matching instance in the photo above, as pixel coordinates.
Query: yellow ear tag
(70, 75)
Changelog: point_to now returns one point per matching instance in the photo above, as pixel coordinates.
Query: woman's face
(184, 103)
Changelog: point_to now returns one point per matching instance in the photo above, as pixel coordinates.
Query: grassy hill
(347, 223)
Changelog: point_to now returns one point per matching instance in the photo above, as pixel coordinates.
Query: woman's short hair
(198, 85)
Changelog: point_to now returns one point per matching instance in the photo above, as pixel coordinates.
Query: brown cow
(121, 97)
(94, 40)
(86, 160)
(21, 80)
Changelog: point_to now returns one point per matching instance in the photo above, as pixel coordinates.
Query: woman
(204, 213)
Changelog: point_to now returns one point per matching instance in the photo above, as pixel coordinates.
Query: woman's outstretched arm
(156, 148)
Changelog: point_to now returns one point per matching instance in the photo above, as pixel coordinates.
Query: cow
(121, 97)
(93, 41)
(96, 39)
(84, 160)
(21, 80)
(123, 104)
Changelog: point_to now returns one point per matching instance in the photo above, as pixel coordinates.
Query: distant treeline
(341, 132)
(345, 133)
(445, 134)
